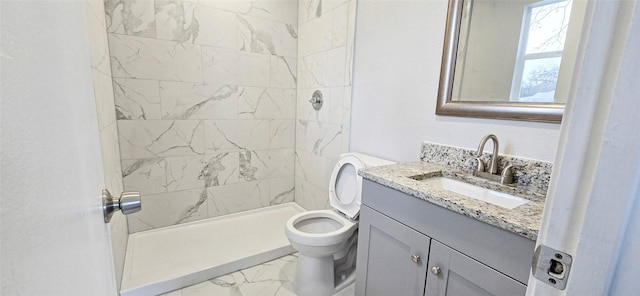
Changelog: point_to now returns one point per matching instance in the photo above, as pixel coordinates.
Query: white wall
(396, 73)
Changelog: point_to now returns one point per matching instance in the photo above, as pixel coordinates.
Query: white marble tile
(103, 92)
(322, 139)
(191, 172)
(285, 11)
(229, 66)
(147, 175)
(263, 164)
(233, 198)
(145, 58)
(284, 72)
(96, 7)
(351, 33)
(255, 165)
(333, 107)
(184, 172)
(237, 134)
(325, 69)
(165, 209)
(283, 134)
(246, 7)
(334, 66)
(271, 103)
(111, 158)
(160, 138)
(281, 162)
(267, 37)
(217, 27)
(131, 17)
(185, 21)
(175, 20)
(339, 28)
(308, 10)
(136, 98)
(182, 100)
(98, 45)
(310, 196)
(315, 36)
(312, 168)
(281, 189)
(329, 5)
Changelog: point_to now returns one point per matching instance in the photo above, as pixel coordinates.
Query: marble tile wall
(325, 51)
(103, 91)
(205, 100)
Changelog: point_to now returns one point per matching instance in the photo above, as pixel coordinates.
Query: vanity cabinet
(407, 246)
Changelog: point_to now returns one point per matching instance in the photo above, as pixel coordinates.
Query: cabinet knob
(435, 270)
(415, 258)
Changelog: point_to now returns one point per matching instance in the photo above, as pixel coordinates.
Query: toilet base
(314, 276)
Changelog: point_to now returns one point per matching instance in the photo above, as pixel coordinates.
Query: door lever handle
(129, 202)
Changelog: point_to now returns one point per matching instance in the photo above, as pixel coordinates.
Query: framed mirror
(509, 59)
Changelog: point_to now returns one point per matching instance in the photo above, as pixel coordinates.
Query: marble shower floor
(272, 278)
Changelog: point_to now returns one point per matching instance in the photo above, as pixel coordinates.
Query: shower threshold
(162, 260)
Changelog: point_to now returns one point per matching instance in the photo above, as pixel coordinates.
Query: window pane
(539, 80)
(548, 27)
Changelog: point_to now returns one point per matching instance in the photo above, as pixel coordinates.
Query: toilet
(327, 239)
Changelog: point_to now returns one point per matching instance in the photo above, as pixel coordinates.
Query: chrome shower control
(129, 203)
(316, 100)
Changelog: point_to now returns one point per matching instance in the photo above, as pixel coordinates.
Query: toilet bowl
(327, 239)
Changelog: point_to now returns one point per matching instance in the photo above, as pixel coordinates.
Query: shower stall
(203, 108)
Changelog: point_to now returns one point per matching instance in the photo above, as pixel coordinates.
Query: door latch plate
(551, 266)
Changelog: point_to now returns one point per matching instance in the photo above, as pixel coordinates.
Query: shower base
(162, 260)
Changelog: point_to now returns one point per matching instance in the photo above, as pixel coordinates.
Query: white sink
(500, 199)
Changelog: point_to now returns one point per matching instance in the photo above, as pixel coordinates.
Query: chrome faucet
(493, 163)
(491, 173)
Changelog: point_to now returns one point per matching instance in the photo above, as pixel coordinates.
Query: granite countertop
(523, 220)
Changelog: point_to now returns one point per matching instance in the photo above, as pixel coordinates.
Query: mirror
(509, 59)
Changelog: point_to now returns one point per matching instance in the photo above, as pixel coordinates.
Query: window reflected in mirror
(515, 51)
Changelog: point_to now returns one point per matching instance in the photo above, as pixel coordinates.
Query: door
(54, 240)
(593, 196)
(454, 274)
(392, 258)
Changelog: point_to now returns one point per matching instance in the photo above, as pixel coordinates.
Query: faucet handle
(507, 175)
(480, 165)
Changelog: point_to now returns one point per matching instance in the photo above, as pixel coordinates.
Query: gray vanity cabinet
(456, 274)
(395, 260)
(401, 239)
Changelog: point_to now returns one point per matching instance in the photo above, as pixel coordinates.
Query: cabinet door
(385, 264)
(460, 275)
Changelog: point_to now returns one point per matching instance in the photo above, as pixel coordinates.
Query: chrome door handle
(129, 203)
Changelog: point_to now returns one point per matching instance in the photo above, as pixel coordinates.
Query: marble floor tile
(273, 278)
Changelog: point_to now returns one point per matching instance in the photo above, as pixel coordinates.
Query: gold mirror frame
(542, 112)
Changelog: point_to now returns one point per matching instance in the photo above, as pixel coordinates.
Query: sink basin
(500, 199)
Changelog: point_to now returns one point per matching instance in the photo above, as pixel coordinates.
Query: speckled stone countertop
(405, 177)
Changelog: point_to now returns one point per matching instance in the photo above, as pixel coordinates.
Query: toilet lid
(345, 186)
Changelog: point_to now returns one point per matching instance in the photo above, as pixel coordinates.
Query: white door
(53, 238)
(593, 205)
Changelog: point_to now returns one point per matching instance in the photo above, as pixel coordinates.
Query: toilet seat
(345, 186)
(338, 235)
